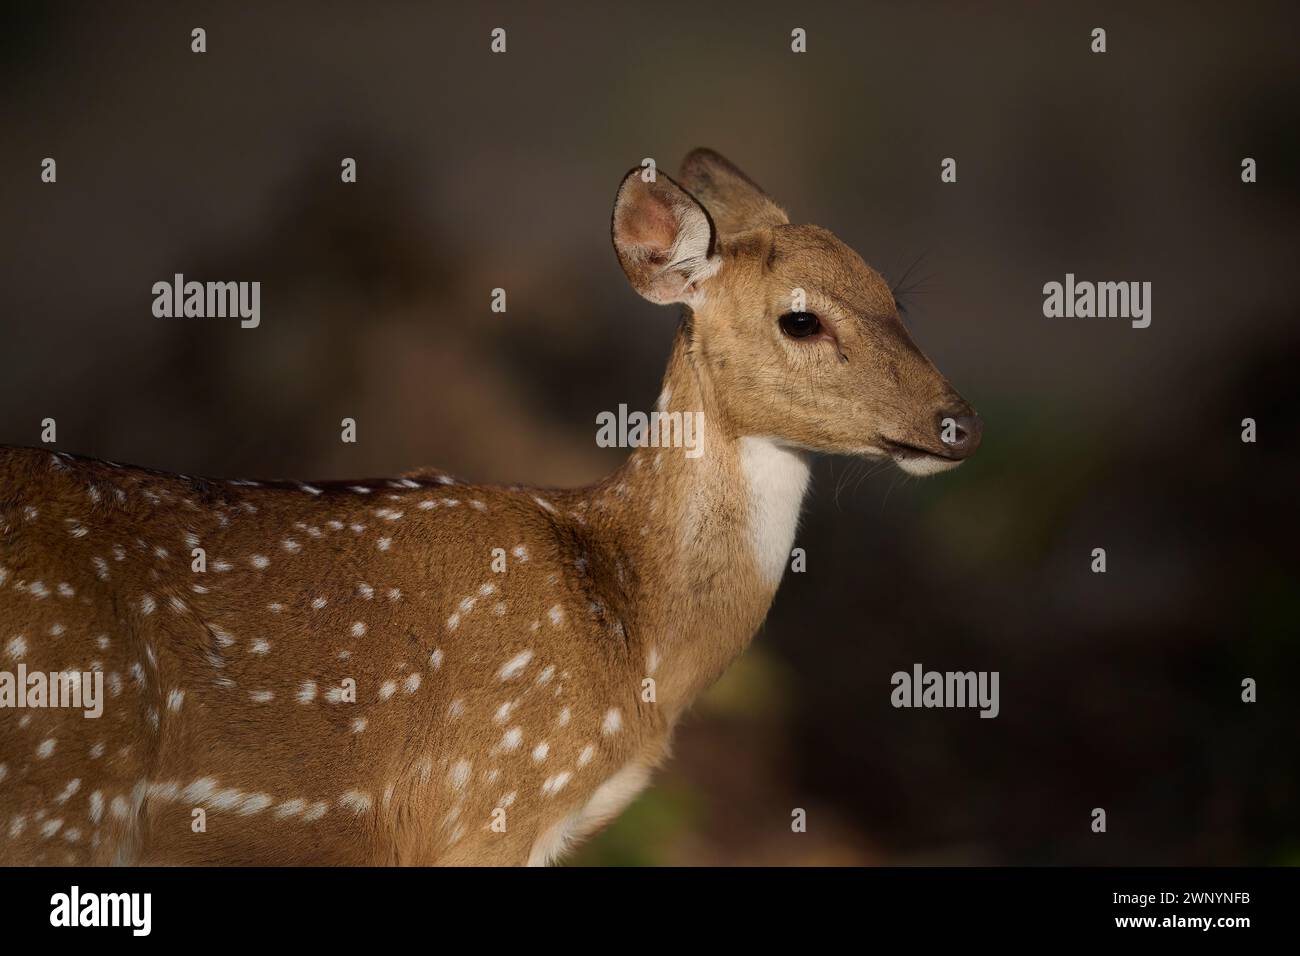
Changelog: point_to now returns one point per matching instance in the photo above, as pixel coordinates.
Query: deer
(423, 671)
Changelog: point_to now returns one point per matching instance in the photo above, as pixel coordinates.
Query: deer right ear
(664, 239)
(735, 201)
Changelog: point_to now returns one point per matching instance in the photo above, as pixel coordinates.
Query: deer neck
(707, 537)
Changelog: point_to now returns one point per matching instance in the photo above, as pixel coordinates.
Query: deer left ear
(665, 240)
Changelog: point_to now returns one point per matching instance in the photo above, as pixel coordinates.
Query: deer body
(353, 674)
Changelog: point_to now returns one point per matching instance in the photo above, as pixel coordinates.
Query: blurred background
(478, 171)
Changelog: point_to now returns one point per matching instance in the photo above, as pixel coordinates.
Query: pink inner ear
(650, 223)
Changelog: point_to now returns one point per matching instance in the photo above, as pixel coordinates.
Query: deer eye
(799, 325)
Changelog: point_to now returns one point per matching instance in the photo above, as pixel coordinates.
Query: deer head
(800, 337)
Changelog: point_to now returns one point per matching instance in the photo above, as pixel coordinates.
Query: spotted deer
(424, 671)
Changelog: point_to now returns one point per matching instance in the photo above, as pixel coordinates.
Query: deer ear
(735, 201)
(663, 237)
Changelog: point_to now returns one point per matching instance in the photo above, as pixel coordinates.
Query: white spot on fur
(290, 808)
(356, 801)
(554, 785)
(66, 793)
(459, 776)
(612, 723)
(255, 803)
(515, 666)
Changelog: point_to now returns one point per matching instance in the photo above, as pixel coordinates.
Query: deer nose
(960, 431)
